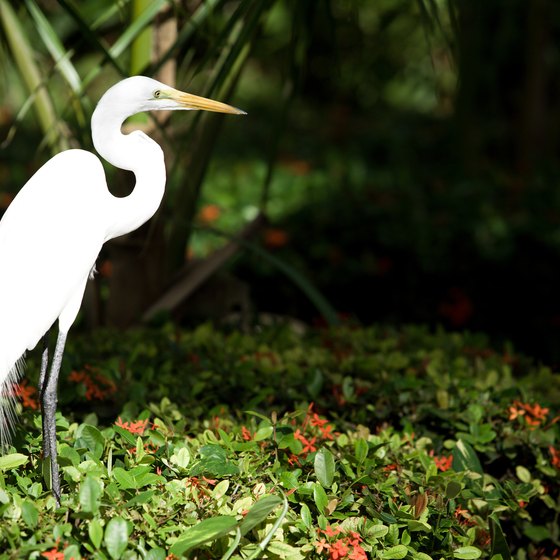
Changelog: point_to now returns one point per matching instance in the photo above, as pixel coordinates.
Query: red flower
(98, 387)
(331, 531)
(136, 428)
(339, 549)
(326, 431)
(443, 463)
(555, 457)
(53, 554)
(27, 394)
(322, 545)
(358, 553)
(246, 434)
(209, 213)
(316, 420)
(309, 446)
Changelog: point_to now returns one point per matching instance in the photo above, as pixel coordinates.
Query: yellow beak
(190, 101)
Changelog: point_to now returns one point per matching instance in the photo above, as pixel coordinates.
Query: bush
(342, 443)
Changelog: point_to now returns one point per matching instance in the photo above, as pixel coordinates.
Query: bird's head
(139, 93)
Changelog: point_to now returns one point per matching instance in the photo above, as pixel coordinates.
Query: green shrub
(342, 443)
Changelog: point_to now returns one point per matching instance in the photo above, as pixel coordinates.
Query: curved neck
(134, 152)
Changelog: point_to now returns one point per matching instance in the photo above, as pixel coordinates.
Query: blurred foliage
(404, 152)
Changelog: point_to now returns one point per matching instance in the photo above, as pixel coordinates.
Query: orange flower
(443, 463)
(293, 460)
(322, 545)
(308, 445)
(534, 415)
(246, 434)
(345, 546)
(316, 420)
(27, 394)
(460, 512)
(339, 549)
(331, 531)
(515, 412)
(136, 428)
(209, 213)
(358, 554)
(53, 554)
(297, 166)
(555, 457)
(274, 238)
(98, 387)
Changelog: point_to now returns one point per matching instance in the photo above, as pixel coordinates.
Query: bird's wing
(50, 237)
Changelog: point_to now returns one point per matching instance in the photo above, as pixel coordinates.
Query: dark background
(405, 153)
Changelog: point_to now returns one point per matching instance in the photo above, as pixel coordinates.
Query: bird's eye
(157, 93)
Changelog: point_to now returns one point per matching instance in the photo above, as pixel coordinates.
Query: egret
(52, 232)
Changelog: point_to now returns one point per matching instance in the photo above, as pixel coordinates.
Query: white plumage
(51, 234)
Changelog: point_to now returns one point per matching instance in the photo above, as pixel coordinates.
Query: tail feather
(8, 401)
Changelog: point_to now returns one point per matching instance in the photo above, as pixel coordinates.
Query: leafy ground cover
(341, 443)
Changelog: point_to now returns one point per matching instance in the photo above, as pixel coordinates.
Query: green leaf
(283, 550)
(155, 554)
(214, 462)
(523, 473)
(207, 530)
(452, 489)
(306, 516)
(124, 478)
(126, 435)
(60, 55)
(320, 498)
(12, 461)
(361, 449)
(29, 70)
(29, 513)
(142, 498)
(537, 533)
(95, 532)
(259, 512)
(377, 531)
(90, 493)
(499, 544)
(465, 458)
(181, 458)
(324, 467)
(90, 438)
(263, 433)
(414, 525)
(395, 552)
(467, 553)
(116, 537)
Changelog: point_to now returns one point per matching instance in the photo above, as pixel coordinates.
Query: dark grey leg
(42, 378)
(49, 398)
(44, 363)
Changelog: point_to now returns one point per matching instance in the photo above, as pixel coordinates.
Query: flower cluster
(443, 462)
(54, 553)
(337, 545)
(533, 415)
(313, 430)
(135, 428)
(98, 387)
(27, 394)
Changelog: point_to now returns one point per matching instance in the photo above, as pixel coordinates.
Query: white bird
(52, 232)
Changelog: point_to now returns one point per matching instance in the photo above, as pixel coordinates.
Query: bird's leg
(44, 362)
(42, 378)
(48, 409)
